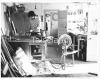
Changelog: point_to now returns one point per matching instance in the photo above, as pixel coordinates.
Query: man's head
(31, 14)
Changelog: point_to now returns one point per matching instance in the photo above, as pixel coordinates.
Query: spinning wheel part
(63, 66)
(65, 39)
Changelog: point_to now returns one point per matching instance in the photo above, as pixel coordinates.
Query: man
(34, 21)
(34, 24)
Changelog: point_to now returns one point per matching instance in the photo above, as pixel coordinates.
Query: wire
(55, 65)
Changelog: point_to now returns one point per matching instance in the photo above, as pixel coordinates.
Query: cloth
(24, 63)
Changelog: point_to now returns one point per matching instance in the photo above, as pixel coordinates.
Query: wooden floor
(79, 67)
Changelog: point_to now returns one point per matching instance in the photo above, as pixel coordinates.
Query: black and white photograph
(50, 39)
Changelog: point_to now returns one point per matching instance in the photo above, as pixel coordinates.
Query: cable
(53, 65)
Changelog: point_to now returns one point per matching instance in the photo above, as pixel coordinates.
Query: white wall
(93, 44)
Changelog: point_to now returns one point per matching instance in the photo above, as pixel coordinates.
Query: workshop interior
(50, 39)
